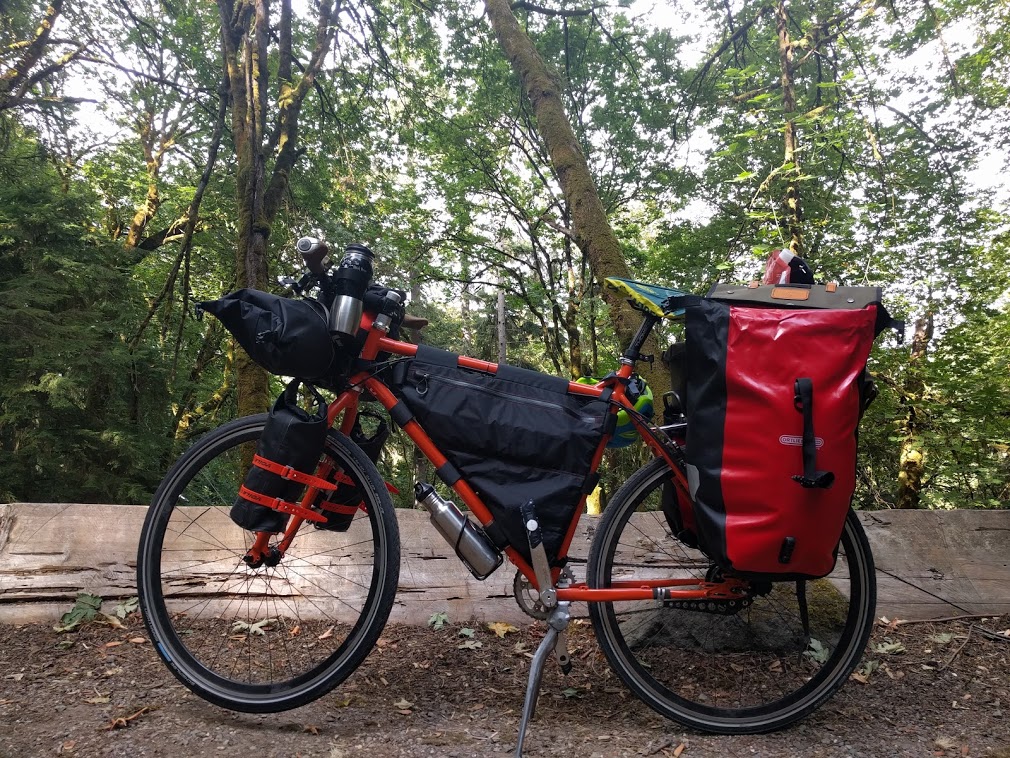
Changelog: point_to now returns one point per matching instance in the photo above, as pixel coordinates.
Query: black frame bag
(292, 437)
(283, 335)
(515, 436)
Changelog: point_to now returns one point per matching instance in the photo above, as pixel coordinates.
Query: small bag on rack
(776, 385)
(287, 455)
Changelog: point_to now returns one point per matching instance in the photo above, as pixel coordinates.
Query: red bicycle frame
(347, 404)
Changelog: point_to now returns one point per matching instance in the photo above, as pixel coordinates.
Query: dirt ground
(101, 691)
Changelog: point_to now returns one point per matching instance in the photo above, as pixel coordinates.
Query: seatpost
(633, 353)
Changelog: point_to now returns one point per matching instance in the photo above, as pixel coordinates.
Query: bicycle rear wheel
(749, 671)
(274, 637)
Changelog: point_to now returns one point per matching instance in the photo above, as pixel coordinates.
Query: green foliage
(72, 425)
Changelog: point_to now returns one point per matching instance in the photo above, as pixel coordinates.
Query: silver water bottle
(472, 546)
(350, 281)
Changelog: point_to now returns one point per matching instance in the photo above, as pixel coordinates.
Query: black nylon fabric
(514, 437)
(350, 494)
(707, 328)
(283, 335)
(292, 437)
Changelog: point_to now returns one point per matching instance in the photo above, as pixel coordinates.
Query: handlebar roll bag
(776, 385)
(285, 336)
(292, 437)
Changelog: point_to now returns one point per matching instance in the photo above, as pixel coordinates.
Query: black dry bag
(339, 507)
(285, 336)
(286, 459)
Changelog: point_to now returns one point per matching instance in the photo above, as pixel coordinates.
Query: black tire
(270, 638)
(747, 673)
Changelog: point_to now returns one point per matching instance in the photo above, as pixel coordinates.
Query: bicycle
(266, 622)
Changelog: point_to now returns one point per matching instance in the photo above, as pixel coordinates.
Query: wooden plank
(930, 564)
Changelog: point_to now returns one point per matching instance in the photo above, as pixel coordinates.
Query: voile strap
(280, 505)
(286, 472)
(804, 402)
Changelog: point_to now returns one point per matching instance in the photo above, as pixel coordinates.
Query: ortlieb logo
(796, 440)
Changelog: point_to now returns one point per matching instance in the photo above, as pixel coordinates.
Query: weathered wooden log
(930, 564)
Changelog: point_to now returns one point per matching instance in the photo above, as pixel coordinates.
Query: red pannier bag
(776, 385)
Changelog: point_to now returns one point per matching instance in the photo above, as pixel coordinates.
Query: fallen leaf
(67, 746)
(679, 749)
(942, 639)
(114, 643)
(520, 647)
(466, 632)
(113, 622)
(121, 722)
(138, 640)
(502, 628)
(296, 631)
(945, 743)
(438, 620)
(15, 677)
(889, 648)
(403, 704)
(326, 635)
(99, 700)
(470, 644)
(311, 729)
(343, 702)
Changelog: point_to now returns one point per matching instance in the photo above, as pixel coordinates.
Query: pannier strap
(342, 508)
(280, 505)
(804, 402)
(293, 475)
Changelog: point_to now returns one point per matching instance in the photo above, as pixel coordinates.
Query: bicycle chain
(718, 607)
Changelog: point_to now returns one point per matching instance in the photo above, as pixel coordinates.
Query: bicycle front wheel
(274, 637)
(722, 670)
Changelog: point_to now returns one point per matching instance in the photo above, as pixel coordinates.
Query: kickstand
(558, 618)
(533, 686)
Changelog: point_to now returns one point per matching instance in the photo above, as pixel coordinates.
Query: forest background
(869, 137)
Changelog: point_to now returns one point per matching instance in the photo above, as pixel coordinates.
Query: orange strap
(342, 508)
(286, 472)
(279, 505)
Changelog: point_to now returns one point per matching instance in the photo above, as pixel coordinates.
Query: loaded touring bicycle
(729, 584)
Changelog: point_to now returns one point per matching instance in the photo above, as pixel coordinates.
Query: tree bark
(591, 228)
(245, 28)
(912, 461)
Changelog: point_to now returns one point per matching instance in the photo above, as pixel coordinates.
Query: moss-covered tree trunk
(590, 227)
(264, 156)
(912, 462)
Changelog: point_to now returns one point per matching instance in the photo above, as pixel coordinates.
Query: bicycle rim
(274, 637)
(751, 671)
